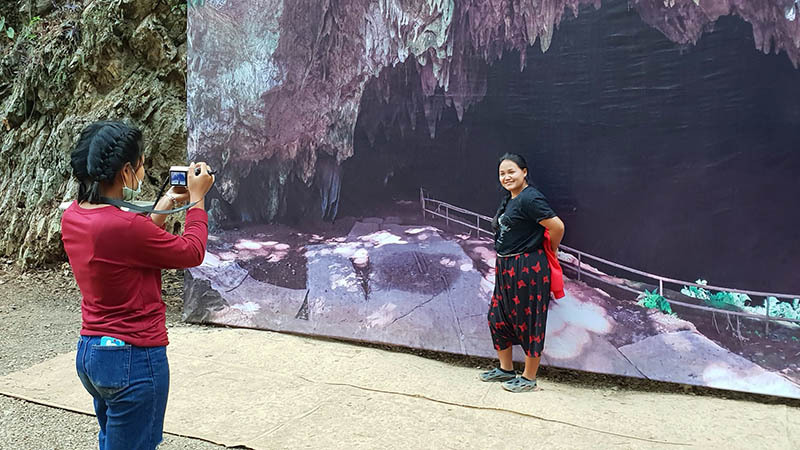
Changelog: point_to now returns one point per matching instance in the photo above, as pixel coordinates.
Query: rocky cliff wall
(81, 61)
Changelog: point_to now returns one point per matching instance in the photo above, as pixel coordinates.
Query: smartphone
(108, 341)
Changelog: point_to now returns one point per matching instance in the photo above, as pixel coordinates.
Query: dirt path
(40, 318)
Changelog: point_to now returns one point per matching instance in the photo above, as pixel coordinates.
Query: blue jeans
(129, 385)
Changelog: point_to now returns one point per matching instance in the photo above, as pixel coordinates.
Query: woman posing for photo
(526, 231)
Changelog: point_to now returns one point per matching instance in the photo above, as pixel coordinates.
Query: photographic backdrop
(357, 145)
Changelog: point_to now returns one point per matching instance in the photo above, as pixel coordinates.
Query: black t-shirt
(519, 230)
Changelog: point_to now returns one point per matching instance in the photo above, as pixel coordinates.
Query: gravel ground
(40, 318)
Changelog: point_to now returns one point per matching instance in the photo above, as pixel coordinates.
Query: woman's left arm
(555, 228)
(163, 204)
(173, 198)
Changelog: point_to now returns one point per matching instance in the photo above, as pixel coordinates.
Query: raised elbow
(198, 257)
(554, 225)
(558, 225)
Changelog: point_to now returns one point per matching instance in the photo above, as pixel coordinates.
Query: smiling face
(512, 177)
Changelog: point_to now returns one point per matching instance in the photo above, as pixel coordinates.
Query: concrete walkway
(268, 391)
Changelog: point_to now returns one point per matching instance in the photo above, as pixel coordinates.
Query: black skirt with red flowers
(518, 311)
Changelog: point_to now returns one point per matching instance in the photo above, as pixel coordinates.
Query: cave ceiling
(283, 80)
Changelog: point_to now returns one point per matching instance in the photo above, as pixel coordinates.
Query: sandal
(520, 384)
(497, 374)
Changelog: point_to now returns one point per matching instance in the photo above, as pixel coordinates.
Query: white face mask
(128, 194)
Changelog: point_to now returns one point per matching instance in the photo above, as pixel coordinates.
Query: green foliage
(778, 308)
(180, 6)
(654, 300)
(9, 31)
(728, 300)
(31, 27)
(742, 302)
(720, 300)
(696, 292)
(28, 31)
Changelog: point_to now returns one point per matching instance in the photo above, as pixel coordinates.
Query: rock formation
(275, 86)
(270, 98)
(80, 62)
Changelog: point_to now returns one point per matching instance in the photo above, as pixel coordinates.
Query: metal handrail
(674, 281)
(580, 255)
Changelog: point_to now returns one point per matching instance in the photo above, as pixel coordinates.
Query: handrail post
(766, 313)
(447, 217)
(660, 287)
(579, 266)
(422, 202)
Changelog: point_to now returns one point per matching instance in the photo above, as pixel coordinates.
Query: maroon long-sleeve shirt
(117, 258)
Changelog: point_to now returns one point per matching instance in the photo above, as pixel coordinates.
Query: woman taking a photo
(117, 257)
(518, 309)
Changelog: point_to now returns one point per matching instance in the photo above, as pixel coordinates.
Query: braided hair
(522, 164)
(101, 152)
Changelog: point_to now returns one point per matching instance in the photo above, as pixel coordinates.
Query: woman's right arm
(150, 246)
(555, 227)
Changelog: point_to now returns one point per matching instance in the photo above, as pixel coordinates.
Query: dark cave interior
(675, 160)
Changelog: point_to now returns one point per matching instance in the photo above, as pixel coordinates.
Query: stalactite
(322, 55)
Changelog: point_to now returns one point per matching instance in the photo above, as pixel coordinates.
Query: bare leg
(505, 357)
(531, 366)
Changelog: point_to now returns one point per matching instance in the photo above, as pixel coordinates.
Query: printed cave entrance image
(357, 146)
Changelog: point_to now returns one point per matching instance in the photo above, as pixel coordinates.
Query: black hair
(101, 152)
(519, 161)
